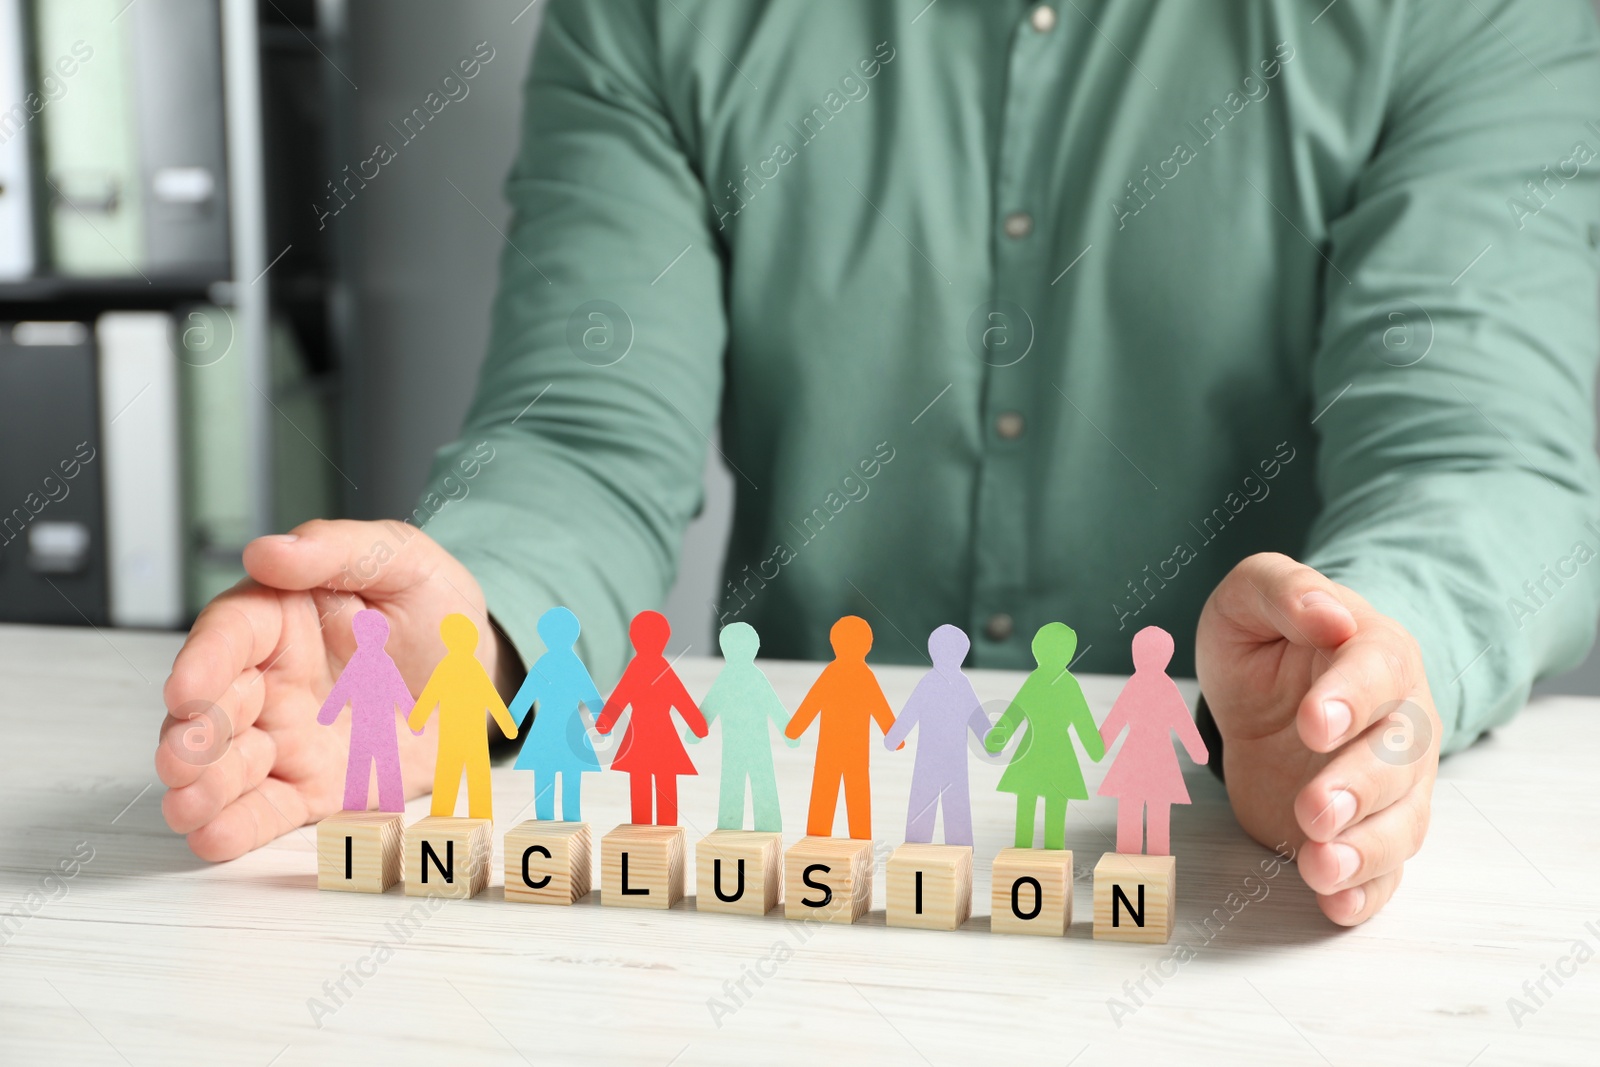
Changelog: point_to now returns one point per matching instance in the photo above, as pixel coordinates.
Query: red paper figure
(1145, 773)
(650, 748)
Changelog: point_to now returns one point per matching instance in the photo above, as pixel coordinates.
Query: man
(1270, 323)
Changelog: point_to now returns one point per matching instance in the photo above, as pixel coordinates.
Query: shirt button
(999, 626)
(1018, 224)
(1043, 18)
(1009, 425)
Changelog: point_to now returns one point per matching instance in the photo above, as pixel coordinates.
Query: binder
(176, 49)
(52, 529)
(91, 167)
(139, 425)
(18, 258)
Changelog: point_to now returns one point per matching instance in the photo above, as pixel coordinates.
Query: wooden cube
(828, 879)
(548, 862)
(1031, 892)
(448, 857)
(1135, 898)
(641, 866)
(930, 886)
(359, 851)
(739, 871)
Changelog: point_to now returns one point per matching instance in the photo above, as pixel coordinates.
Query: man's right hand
(265, 654)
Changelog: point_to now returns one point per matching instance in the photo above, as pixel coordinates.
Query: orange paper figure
(846, 696)
(650, 750)
(462, 691)
(1145, 773)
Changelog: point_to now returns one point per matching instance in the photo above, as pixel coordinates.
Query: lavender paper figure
(371, 685)
(947, 709)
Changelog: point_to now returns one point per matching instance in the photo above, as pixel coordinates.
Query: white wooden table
(148, 956)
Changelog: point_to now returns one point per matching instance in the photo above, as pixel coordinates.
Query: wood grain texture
(1031, 892)
(448, 857)
(642, 866)
(118, 946)
(548, 862)
(929, 886)
(366, 845)
(1135, 898)
(828, 879)
(751, 871)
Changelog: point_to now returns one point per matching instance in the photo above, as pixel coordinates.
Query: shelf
(65, 297)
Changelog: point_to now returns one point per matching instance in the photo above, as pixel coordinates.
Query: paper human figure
(1045, 765)
(846, 695)
(944, 709)
(1145, 776)
(650, 750)
(746, 705)
(557, 745)
(462, 691)
(372, 687)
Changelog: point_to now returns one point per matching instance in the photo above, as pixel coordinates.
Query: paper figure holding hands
(846, 696)
(650, 749)
(558, 741)
(946, 709)
(745, 703)
(1145, 775)
(371, 685)
(462, 691)
(1045, 764)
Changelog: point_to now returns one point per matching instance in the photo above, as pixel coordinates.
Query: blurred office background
(197, 204)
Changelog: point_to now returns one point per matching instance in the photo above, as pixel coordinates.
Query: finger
(240, 706)
(238, 630)
(262, 815)
(1271, 596)
(241, 768)
(1376, 845)
(1353, 906)
(1359, 781)
(1364, 680)
(344, 555)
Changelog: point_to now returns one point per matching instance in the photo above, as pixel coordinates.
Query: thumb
(372, 558)
(1269, 596)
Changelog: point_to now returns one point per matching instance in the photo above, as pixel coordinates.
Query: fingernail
(1317, 598)
(1342, 808)
(1348, 858)
(1358, 900)
(285, 538)
(1336, 718)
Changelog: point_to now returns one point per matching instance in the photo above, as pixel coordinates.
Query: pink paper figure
(1145, 775)
(650, 749)
(946, 708)
(371, 685)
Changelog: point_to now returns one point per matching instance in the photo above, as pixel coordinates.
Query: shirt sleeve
(1454, 381)
(604, 371)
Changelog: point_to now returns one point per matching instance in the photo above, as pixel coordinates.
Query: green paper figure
(744, 702)
(1045, 765)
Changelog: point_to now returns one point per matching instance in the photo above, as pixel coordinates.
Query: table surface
(149, 956)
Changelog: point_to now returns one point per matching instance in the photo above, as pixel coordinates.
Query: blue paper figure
(558, 741)
(744, 702)
(946, 708)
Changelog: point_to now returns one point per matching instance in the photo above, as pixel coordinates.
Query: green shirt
(1008, 316)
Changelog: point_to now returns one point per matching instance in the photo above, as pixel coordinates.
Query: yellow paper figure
(462, 691)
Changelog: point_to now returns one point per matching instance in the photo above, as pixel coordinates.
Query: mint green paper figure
(744, 702)
(1045, 764)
